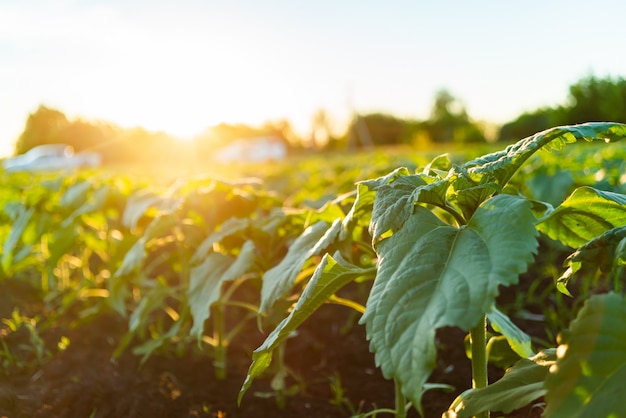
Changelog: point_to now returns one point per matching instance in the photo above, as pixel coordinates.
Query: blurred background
(139, 81)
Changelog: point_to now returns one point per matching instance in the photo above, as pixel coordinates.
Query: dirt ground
(84, 381)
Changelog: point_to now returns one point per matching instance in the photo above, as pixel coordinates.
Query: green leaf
(133, 259)
(603, 253)
(503, 164)
(150, 301)
(329, 277)
(279, 279)
(584, 215)
(433, 275)
(19, 225)
(97, 201)
(518, 340)
(76, 195)
(146, 349)
(520, 385)
(229, 227)
(551, 187)
(136, 207)
(361, 209)
(206, 280)
(393, 204)
(588, 378)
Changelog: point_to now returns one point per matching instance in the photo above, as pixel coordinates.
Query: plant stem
(220, 346)
(478, 338)
(400, 400)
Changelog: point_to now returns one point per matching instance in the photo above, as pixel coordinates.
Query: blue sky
(182, 66)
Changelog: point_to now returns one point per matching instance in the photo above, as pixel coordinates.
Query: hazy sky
(182, 66)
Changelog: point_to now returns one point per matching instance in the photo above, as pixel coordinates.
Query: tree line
(590, 99)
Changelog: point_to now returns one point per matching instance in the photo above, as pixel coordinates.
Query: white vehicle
(51, 157)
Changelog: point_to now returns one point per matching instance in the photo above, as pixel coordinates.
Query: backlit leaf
(279, 279)
(136, 207)
(584, 215)
(517, 339)
(601, 253)
(520, 385)
(588, 378)
(433, 275)
(19, 225)
(503, 164)
(329, 277)
(206, 280)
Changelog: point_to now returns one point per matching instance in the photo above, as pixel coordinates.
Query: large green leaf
(279, 279)
(520, 385)
(329, 277)
(588, 379)
(503, 164)
(206, 280)
(584, 215)
(433, 275)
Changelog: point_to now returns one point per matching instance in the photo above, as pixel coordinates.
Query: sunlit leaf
(518, 340)
(588, 378)
(502, 165)
(393, 204)
(280, 278)
(520, 385)
(136, 207)
(329, 277)
(75, 195)
(229, 227)
(433, 275)
(206, 280)
(150, 301)
(19, 225)
(601, 253)
(584, 215)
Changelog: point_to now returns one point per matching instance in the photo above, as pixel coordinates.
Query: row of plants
(195, 263)
(447, 238)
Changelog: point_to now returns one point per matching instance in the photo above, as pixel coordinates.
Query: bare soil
(85, 381)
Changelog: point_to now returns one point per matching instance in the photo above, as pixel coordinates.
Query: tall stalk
(478, 339)
(220, 344)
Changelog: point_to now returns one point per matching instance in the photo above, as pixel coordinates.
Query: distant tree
(590, 99)
(449, 121)
(596, 99)
(528, 124)
(44, 126)
(383, 129)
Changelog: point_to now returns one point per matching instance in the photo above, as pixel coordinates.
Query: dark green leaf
(433, 275)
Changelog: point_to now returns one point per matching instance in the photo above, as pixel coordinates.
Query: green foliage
(588, 377)
(438, 244)
(590, 99)
(520, 385)
(445, 243)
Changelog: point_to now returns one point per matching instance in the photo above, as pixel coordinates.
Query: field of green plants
(383, 283)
